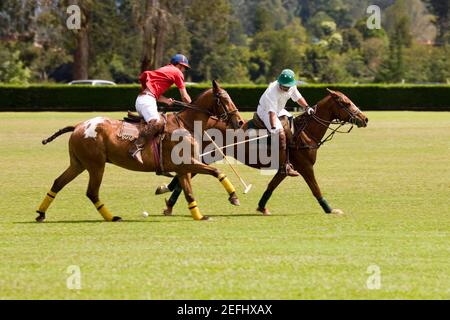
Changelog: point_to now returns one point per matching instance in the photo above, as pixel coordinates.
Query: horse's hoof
(168, 210)
(205, 218)
(162, 189)
(234, 201)
(264, 211)
(116, 219)
(40, 218)
(337, 212)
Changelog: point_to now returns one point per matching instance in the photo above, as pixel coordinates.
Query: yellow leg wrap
(226, 183)
(106, 214)
(47, 201)
(195, 211)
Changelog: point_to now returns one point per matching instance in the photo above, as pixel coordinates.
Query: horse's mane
(201, 95)
(301, 121)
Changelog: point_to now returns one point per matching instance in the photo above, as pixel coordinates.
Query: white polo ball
(145, 214)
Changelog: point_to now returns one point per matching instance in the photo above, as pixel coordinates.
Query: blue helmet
(180, 59)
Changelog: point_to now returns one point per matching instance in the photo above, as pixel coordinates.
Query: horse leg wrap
(49, 197)
(195, 211)
(226, 183)
(325, 206)
(106, 214)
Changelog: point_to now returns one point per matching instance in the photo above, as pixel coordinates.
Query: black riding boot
(285, 166)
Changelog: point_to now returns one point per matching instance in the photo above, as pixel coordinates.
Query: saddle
(294, 130)
(131, 126)
(257, 123)
(133, 117)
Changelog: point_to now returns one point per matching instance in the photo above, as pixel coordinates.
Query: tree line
(235, 41)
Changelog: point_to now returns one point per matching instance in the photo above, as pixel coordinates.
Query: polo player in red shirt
(154, 84)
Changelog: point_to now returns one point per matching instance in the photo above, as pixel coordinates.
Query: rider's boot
(285, 166)
(150, 130)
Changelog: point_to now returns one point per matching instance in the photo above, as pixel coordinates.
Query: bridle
(223, 114)
(340, 123)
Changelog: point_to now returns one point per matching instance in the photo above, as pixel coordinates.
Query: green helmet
(287, 78)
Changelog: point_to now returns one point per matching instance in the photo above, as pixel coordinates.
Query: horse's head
(345, 110)
(225, 109)
(220, 105)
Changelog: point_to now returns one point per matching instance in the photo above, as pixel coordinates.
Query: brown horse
(310, 132)
(95, 142)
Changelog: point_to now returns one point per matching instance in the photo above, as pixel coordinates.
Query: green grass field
(392, 179)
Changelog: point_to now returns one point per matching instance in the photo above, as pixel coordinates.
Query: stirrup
(137, 155)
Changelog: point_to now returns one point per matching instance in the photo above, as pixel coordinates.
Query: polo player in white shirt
(272, 105)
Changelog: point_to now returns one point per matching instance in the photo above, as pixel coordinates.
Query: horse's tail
(58, 133)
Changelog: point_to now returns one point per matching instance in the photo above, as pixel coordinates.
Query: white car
(92, 82)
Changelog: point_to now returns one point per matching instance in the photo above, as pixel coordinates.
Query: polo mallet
(247, 187)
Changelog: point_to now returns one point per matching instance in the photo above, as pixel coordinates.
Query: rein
(191, 107)
(327, 124)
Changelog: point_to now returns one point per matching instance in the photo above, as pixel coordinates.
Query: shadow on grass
(157, 219)
(95, 222)
(248, 215)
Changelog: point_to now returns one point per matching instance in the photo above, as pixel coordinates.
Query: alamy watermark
(251, 147)
(374, 280)
(374, 20)
(73, 281)
(73, 22)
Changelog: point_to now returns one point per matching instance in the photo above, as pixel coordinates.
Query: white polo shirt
(274, 100)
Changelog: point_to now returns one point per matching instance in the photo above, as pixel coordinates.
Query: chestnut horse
(310, 132)
(95, 142)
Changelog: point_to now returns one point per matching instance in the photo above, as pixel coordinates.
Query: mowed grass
(392, 179)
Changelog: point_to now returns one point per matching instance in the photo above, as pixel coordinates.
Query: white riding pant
(146, 107)
(265, 117)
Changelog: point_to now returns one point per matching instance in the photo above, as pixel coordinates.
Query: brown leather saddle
(257, 123)
(131, 126)
(133, 117)
(132, 123)
(295, 132)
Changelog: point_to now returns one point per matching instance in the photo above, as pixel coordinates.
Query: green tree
(393, 69)
(16, 19)
(12, 69)
(323, 66)
(209, 37)
(352, 39)
(373, 51)
(441, 9)
(264, 20)
(361, 26)
(278, 50)
(439, 69)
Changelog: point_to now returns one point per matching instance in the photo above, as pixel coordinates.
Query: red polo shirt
(158, 81)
